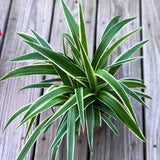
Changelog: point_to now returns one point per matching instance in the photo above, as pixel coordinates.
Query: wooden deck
(45, 16)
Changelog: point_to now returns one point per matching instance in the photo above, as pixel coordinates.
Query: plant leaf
(123, 61)
(69, 104)
(64, 77)
(32, 139)
(29, 56)
(47, 105)
(110, 124)
(59, 60)
(103, 60)
(80, 103)
(28, 37)
(141, 94)
(126, 55)
(82, 30)
(45, 98)
(90, 124)
(132, 83)
(97, 117)
(36, 69)
(88, 69)
(71, 132)
(31, 122)
(41, 40)
(115, 85)
(16, 114)
(110, 25)
(124, 116)
(106, 40)
(109, 112)
(74, 50)
(73, 26)
(61, 130)
(132, 94)
(64, 108)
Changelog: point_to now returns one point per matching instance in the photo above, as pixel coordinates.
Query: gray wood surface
(125, 146)
(24, 15)
(151, 52)
(46, 17)
(4, 11)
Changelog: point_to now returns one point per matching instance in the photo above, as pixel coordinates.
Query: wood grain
(24, 15)
(125, 146)
(151, 53)
(4, 11)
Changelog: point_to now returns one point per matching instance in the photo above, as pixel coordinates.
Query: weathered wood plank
(151, 52)
(24, 15)
(106, 144)
(59, 26)
(4, 11)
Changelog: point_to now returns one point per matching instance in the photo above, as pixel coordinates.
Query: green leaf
(115, 85)
(73, 26)
(38, 85)
(36, 69)
(55, 149)
(31, 122)
(88, 69)
(126, 55)
(110, 124)
(132, 79)
(141, 94)
(106, 40)
(27, 37)
(108, 112)
(133, 94)
(62, 129)
(64, 108)
(97, 117)
(110, 101)
(123, 61)
(82, 30)
(32, 139)
(59, 60)
(71, 132)
(103, 61)
(45, 98)
(77, 127)
(90, 124)
(132, 83)
(16, 114)
(110, 25)
(64, 77)
(79, 97)
(29, 56)
(69, 104)
(47, 105)
(74, 50)
(41, 40)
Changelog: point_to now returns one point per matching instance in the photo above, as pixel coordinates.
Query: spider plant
(89, 92)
